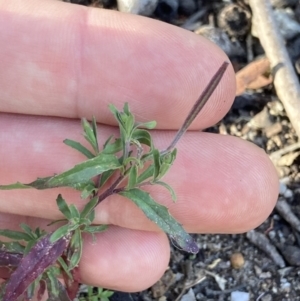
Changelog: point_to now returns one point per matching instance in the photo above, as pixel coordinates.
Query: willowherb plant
(36, 258)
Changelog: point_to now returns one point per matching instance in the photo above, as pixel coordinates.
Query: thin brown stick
(285, 79)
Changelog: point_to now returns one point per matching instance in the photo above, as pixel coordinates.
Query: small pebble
(239, 296)
(137, 7)
(285, 287)
(237, 260)
(265, 275)
(283, 190)
(257, 270)
(189, 296)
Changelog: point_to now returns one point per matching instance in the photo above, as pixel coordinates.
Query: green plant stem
(199, 104)
(126, 150)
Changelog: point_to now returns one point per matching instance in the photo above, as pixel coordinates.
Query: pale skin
(67, 61)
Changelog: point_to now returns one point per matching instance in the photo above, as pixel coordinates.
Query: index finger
(70, 61)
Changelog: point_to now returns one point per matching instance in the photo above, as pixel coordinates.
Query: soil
(263, 264)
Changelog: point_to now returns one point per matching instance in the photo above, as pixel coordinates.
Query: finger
(71, 61)
(120, 254)
(224, 184)
(115, 254)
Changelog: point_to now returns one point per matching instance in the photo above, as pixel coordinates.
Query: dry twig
(275, 156)
(285, 79)
(262, 242)
(286, 212)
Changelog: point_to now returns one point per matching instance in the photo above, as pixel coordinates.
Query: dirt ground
(263, 264)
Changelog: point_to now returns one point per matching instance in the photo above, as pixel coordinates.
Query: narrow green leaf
(29, 245)
(40, 183)
(79, 147)
(28, 230)
(74, 212)
(132, 160)
(148, 173)
(126, 109)
(91, 216)
(107, 293)
(84, 171)
(129, 124)
(143, 137)
(16, 185)
(108, 141)
(166, 163)
(39, 232)
(58, 221)
(89, 207)
(16, 235)
(159, 215)
(56, 290)
(64, 267)
(94, 128)
(52, 284)
(171, 190)
(113, 109)
(63, 207)
(90, 290)
(95, 229)
(89, 134)
(31, 290)
(156, 163)
(132, 177)
(113, 148)
(76, 249)
(60, 232)
(117, 116)
(148, 125)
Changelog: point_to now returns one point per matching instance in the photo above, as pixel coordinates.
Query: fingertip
(227, 185)
(124, 259)
(266, 189)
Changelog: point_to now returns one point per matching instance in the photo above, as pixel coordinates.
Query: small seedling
(96, 294)
(36, 258)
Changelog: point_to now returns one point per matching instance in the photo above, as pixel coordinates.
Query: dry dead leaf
(252, 76)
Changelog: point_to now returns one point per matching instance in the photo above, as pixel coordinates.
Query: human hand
(62, 60)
